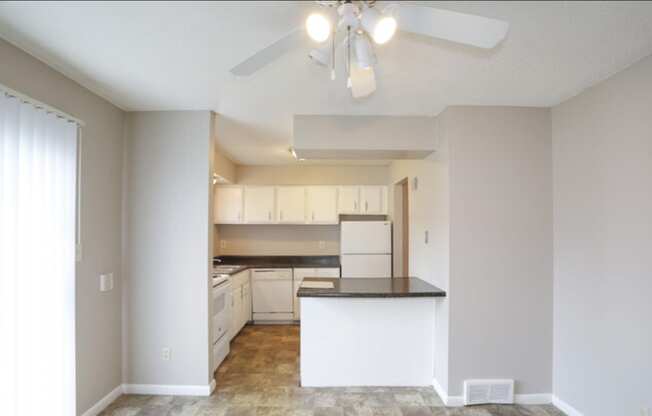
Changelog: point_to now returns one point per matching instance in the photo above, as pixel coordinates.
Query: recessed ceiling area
(177, 55)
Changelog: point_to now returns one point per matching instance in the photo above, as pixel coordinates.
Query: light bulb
(318, 27)
(380, 27)
(384, 30)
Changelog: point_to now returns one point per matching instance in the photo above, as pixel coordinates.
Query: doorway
(401, 229)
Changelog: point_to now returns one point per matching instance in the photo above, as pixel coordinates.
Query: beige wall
(429, 211)
(500, 246)
(98, 315)
(602, 153)
(291, 239)
(167, 243)
(278, 240)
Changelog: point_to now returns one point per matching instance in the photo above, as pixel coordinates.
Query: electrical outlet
(165, 354)
(645, 411)
(222, 243)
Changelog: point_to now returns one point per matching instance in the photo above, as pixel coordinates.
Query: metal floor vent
(488, 391)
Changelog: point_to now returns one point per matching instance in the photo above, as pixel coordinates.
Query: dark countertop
(397, 287)
(250, 262)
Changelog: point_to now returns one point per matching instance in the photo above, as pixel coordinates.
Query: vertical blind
(38, 194)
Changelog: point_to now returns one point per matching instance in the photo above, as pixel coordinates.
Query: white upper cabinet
(373, 199)
(259, 204)
(348, 200)
(322, 205)
(291, 204)
(235, 204)
(228, 205)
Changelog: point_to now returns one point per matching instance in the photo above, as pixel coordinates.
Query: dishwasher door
(272, 290)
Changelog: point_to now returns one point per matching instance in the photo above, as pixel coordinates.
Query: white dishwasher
(272, 294)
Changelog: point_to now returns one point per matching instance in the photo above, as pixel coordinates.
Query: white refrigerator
(366, 248)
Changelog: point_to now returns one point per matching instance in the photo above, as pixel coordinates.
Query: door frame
(401, 239)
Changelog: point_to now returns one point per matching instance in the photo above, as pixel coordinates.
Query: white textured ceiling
(174, 56)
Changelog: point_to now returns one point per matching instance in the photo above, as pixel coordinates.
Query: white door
(373, 199)
(322, 205)
(272, 291)
(291, 204)
(228, 204)
(348, 200)
(366, 237)
(366, 265)
(259, 204)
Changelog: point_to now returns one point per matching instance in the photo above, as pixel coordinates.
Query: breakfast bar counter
(367, 331)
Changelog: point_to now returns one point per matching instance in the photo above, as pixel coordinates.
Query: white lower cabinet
(240, 301)
(300, 274)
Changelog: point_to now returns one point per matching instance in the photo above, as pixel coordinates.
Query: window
(38, 206)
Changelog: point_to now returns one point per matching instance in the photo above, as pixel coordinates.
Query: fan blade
(468, 29)
(363, 81)
(270, 53)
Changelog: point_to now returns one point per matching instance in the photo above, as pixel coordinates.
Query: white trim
(451, 401)
(170, 390)
(565, 407)
(537, 398)
(104, 402)
(39, 104)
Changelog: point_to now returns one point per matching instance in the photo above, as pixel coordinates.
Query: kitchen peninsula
(367, 331)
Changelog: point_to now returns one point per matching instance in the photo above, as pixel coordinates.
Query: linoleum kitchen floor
(260, 377)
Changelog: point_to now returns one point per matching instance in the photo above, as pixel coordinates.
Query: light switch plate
(106, 282)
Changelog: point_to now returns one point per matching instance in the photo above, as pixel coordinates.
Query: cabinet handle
(355, 205)
(269, 215)
(366, 206)
(281, 215)
(238, 215)
(313, 215)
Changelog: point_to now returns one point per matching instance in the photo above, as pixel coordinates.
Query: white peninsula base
(367, 341)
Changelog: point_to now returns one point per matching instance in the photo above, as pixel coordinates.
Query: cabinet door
(299, 275)
(246, 304)
(236, 310)
(297, 305)
(228, 205)
(373, 199)
(322, 205)
(259, 204)
(348, 200)
(291, 204)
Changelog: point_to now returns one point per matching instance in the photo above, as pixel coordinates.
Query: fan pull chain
(333, 54)
(348, 56)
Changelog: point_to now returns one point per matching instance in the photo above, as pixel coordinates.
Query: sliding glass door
(38, 186)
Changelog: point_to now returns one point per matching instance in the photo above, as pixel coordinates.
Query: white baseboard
(456, 401)
(170, 390)
(104, 402)
(450, 401)
(565, 407)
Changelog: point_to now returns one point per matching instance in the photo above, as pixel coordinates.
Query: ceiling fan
(356, 24)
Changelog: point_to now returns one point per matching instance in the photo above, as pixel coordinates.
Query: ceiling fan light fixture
(318, 27)
(380, 27)
(364, 52)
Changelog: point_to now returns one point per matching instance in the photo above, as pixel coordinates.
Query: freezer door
(366, 265)
(366, 237)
